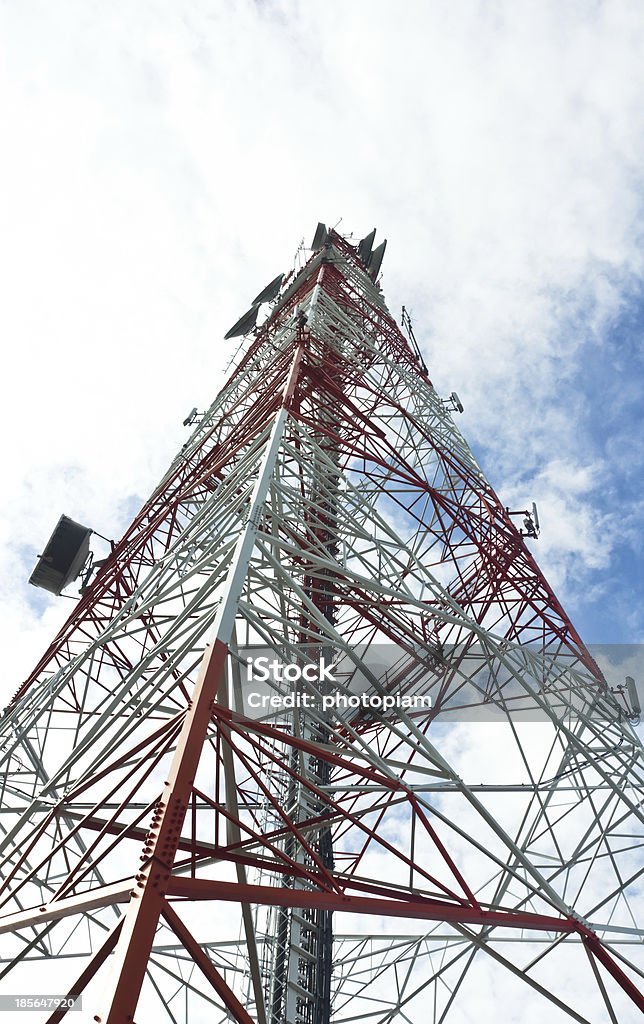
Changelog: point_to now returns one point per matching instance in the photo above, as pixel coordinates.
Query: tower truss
(179, 843)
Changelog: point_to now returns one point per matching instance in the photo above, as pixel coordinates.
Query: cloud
(162, 163)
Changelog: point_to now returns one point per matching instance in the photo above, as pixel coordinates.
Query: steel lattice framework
(178, 859)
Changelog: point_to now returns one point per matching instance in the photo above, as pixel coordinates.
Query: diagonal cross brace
(146, 905)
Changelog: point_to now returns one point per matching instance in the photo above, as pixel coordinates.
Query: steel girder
(325, 502)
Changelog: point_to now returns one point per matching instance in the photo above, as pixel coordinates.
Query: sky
(162, 161)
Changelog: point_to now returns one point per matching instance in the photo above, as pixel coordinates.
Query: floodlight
(64, 556)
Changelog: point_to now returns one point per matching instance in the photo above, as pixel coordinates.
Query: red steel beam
(147, 902)
(203, 961)
(418, 907)
(97, 960)
(142, 917)
(593, 944)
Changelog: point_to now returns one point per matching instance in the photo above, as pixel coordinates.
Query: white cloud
(162, 161)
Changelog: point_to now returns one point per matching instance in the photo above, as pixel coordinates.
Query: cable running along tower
(178, 843)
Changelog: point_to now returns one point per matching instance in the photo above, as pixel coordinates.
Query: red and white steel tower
(179, 843)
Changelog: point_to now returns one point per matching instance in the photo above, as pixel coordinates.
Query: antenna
(530, 521)
(365, 245)
(535, 517)
(270, 291)
(457, 405)
(375, 260)
(633, 696)
(244, 324)
(406, 322)
(320, 236)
